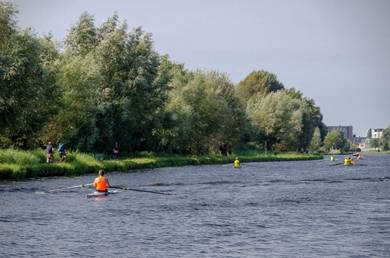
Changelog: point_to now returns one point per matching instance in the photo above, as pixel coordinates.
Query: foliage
(374, 143)
(385, 141)
(82, 37)
(22, 157)
(208, 115)
(75, 123)
(258, 82)
(279, 116)
(315, 142)
(311, 118)
(28, 92)
(24, 164)
(335, 140)
(114, 88)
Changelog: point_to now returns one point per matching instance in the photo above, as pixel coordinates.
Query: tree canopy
(27, 82)
(258, 82)
(385, 141)
(335, 140)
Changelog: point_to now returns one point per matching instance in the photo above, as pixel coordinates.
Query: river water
(271, 209)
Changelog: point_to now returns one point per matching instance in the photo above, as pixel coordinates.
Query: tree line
(107, 84)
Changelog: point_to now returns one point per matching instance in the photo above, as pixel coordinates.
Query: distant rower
(348, 161)
(358, 155)
(236, 163)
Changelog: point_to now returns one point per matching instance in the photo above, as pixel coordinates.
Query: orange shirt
(101, 183)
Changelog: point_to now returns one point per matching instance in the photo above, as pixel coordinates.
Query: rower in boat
(358, 155)
(348, 161)
(237, 163)
(101, 183)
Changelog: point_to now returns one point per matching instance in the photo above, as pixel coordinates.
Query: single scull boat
(99, 194)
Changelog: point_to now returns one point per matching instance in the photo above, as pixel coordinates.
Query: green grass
(16, 164)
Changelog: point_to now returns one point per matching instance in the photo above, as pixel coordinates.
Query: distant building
(346, 130)
(358, 139)
(376, 133)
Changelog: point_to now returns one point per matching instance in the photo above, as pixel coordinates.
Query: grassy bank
(16, 164)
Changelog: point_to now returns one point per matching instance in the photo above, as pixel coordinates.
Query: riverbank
(16, 164)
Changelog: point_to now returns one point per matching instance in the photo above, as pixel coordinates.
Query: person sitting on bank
(237, 163)
(101, 183)
(49, 153)
(62, 152)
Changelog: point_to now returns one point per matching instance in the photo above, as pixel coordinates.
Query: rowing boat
(100, 194)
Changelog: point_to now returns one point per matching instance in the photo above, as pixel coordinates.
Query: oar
(335, 164)
(138, 190)
(68, 188)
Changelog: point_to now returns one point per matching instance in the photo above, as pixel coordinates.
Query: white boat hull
(100, 194)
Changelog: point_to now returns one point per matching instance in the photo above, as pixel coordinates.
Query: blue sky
(334, 51)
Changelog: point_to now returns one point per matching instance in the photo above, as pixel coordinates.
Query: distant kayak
(100, 194)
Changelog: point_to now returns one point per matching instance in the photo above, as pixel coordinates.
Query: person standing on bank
(62, 152)
(115, 151)
(49, 153)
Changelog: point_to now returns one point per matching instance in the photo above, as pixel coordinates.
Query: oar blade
(139, 190)
(68, 188)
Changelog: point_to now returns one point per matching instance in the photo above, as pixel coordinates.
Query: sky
(336, 52)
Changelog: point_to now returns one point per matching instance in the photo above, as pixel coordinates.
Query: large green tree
(78, 78)
(122, 77)
(279, 116)
(335, 140)
(311, 118)
(208, 115)
(133, 89)
(28, 92)
(254, 90)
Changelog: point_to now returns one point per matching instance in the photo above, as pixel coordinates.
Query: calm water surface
(275, 209)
